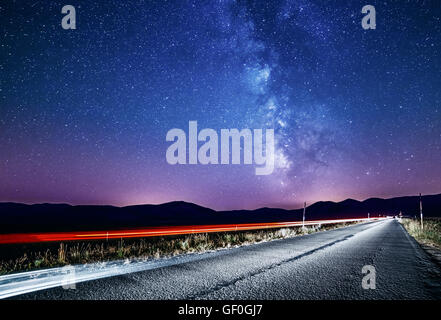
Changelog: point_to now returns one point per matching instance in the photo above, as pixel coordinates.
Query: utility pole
(421, 212)
(304, 211)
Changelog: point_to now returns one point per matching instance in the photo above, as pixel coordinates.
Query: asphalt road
(324, 265)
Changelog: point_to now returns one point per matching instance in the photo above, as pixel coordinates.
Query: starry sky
(84, 113)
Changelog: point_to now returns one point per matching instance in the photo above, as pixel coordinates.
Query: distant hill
(16, 217)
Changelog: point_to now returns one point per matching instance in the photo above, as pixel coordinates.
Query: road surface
(324, 265)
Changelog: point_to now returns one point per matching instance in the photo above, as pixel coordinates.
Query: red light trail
(156, 231)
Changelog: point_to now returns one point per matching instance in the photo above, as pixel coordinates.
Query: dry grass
(15, 258)
(430, 234)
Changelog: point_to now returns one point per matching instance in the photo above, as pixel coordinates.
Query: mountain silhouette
(46, 217)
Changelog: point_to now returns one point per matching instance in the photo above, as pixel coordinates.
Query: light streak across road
(158, 231)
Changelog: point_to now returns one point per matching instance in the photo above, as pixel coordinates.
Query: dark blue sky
(84, 113)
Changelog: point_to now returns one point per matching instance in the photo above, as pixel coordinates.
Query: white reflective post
(304, 210)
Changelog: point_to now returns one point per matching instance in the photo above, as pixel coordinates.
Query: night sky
(84, 113)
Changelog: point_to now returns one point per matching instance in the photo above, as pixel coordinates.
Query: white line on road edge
(25, 282)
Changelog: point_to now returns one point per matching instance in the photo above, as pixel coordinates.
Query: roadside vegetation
(16, 258)
(429, 235)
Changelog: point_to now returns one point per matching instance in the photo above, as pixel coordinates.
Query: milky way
(84, 113)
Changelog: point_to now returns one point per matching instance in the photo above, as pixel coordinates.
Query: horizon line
(263, 207)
